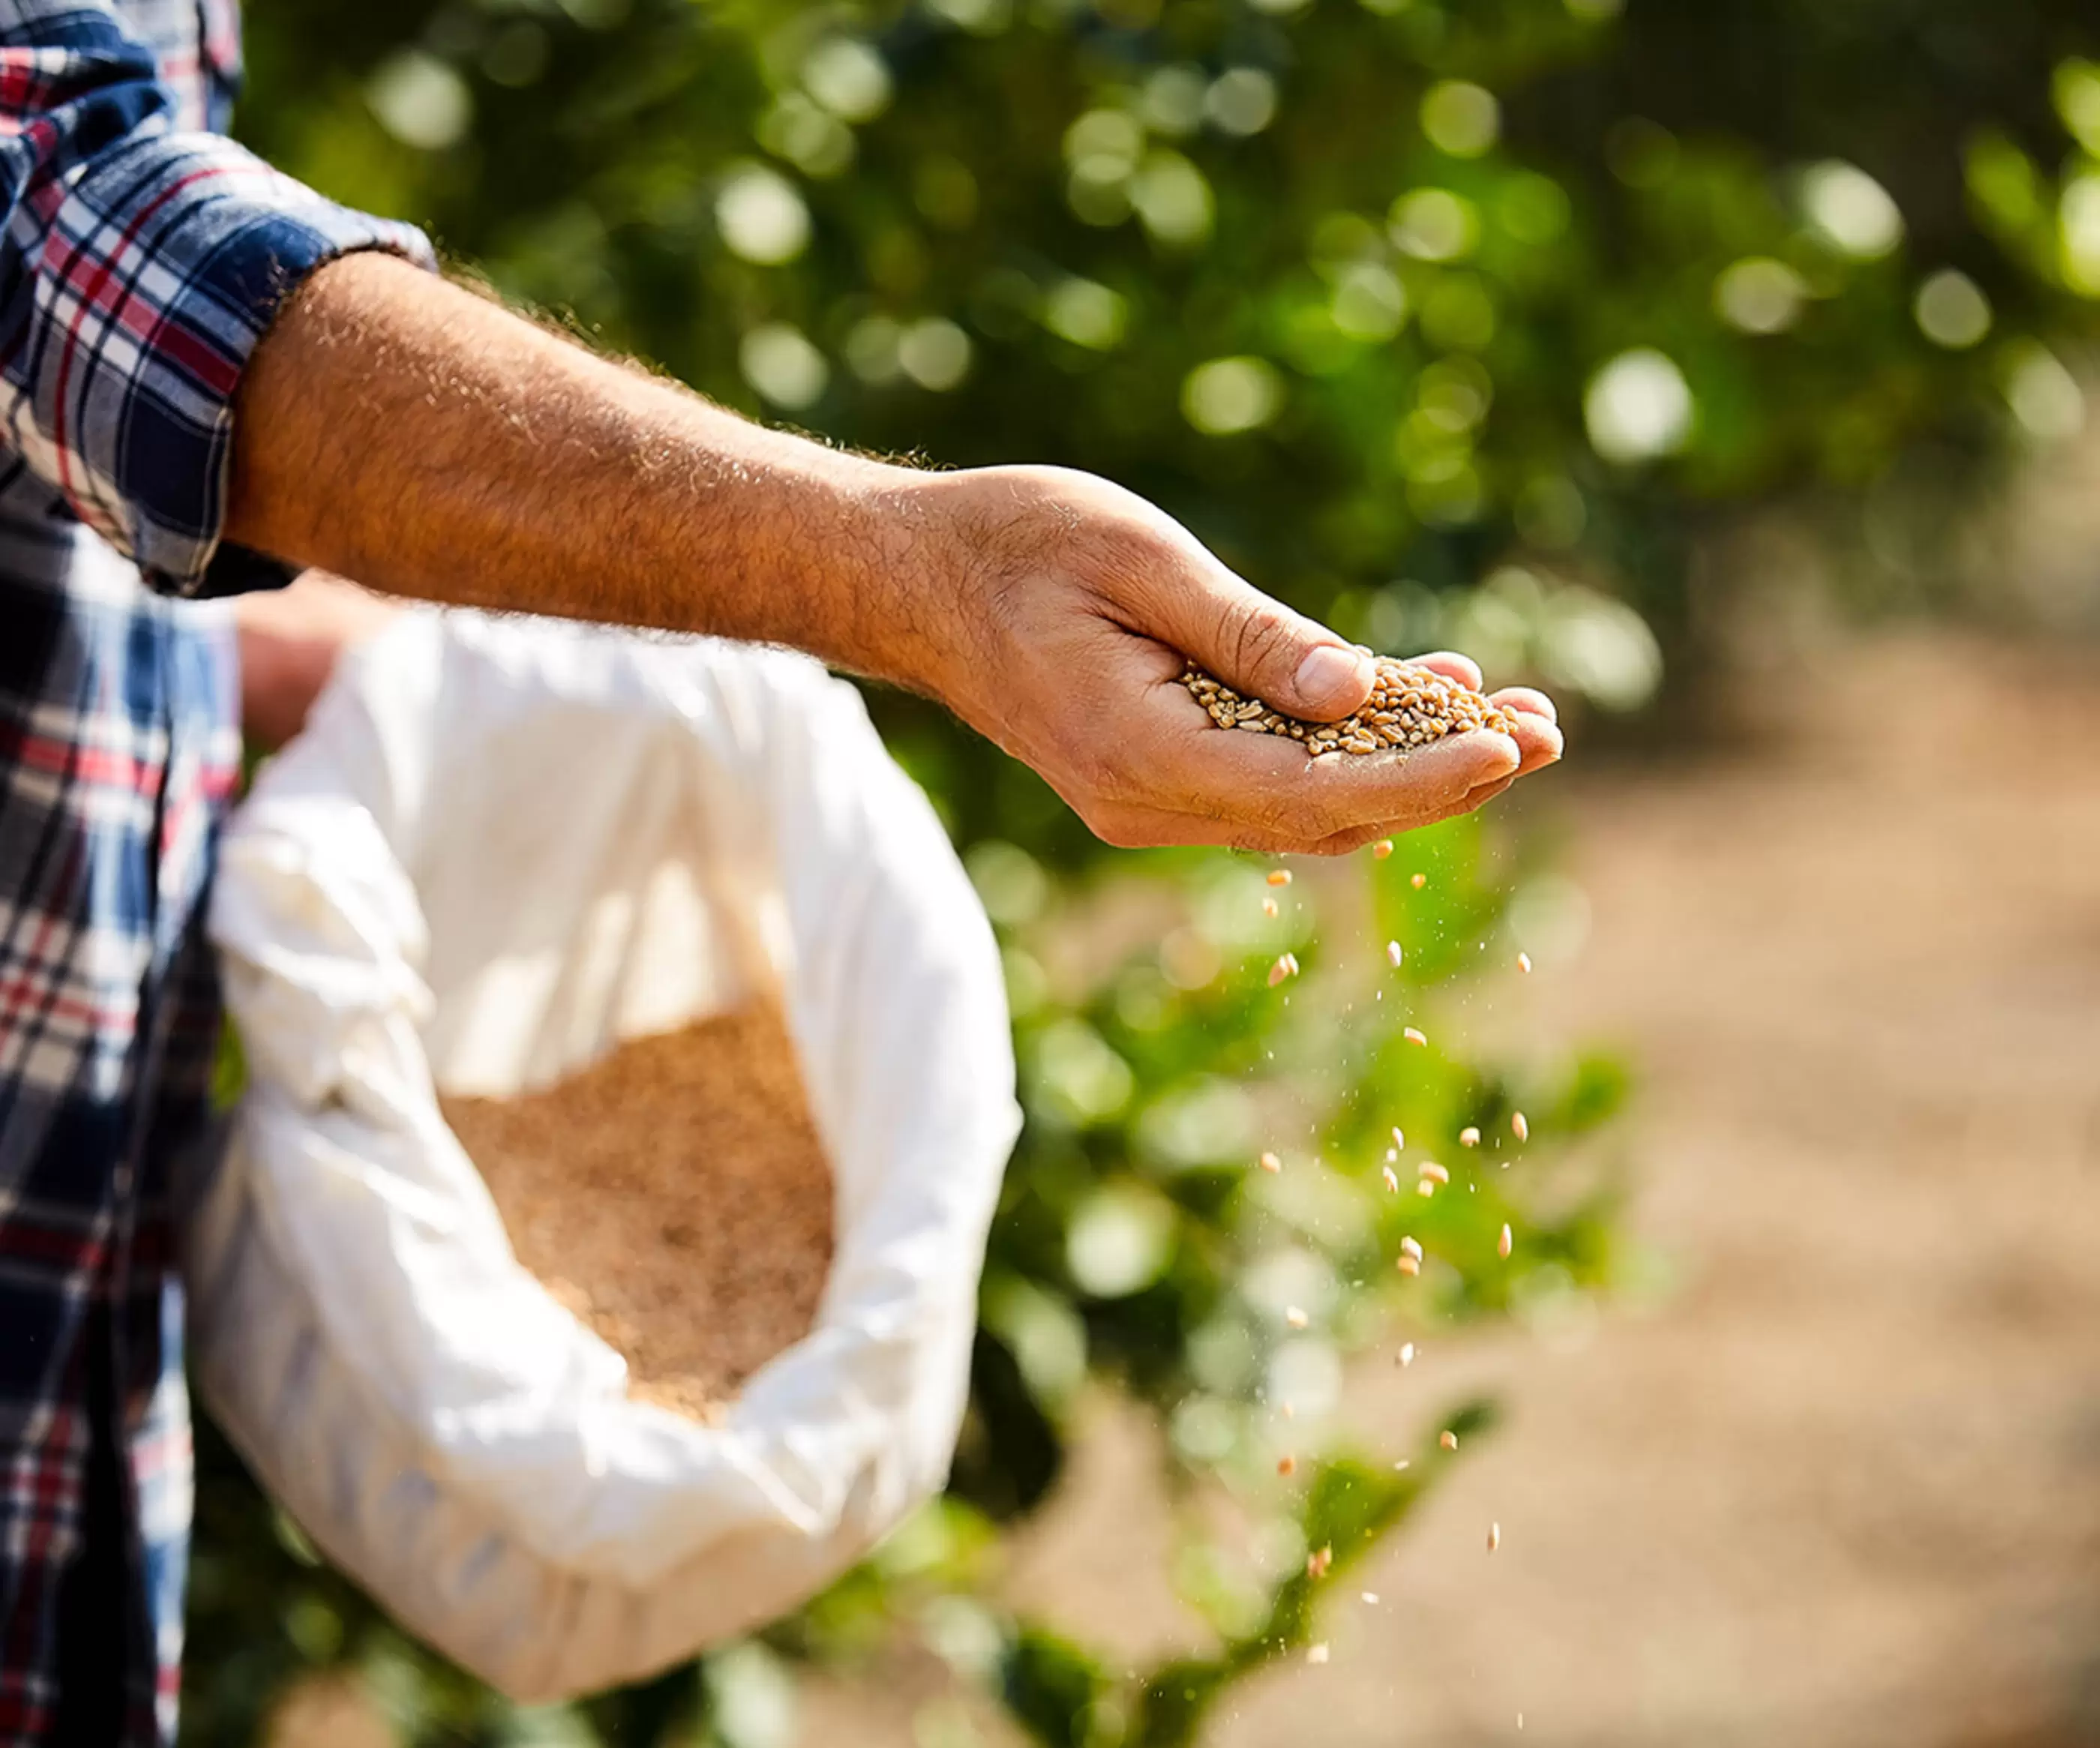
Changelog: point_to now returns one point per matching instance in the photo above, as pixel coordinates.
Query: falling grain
(1469, 1137)
(1448, 1440)
(1431, 1172)
(1502, 1243)
(1519, 1127)
(1418, 881)
(1270, 1162)
(1393, 955)
(1523, 963)
(1279, 876)
(1494, 1537)
(1382, 849)
(1414, 1035)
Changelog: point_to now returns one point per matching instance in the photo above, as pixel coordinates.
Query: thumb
(1261, 648)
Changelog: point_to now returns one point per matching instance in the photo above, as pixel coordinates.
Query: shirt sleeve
(138, 266)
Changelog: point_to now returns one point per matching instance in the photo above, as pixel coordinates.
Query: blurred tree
(1450, 320)
(1372, 296)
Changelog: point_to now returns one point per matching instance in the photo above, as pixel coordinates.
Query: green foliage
(1134, 1249)
(1450, 320)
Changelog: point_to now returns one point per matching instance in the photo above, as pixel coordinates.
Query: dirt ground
(1838, 1482)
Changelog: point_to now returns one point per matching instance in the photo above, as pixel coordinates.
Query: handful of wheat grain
(1410, 706)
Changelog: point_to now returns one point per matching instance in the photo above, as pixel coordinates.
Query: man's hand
(290, 640)
(400, 430)
(1073, 605)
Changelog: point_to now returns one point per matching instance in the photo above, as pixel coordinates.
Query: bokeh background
(1721, 367)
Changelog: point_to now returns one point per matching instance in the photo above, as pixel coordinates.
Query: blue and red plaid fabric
(143, 256)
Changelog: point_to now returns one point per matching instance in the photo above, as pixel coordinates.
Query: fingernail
(1332, 674)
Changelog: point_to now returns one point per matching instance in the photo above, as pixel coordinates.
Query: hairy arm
(403, 431)
(394, 429)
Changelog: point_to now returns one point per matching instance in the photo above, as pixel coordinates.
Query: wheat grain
(674, 1196)
(1410, 706)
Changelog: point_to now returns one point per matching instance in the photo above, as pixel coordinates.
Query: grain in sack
(664, 932)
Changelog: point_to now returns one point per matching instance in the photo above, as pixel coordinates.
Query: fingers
(1538, 742)
(1258, 646)
(289, 640)
(1264, 782)
(1452, 666)
(1176, 778)
(1531, 703)
(1347, 842)
(1168, 775)
(1358, 837)
(1538, 734)
(1138, 827)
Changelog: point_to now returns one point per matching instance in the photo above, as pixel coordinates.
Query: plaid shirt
(141, 256)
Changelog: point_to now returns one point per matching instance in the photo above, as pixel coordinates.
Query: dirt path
(1839, 1483)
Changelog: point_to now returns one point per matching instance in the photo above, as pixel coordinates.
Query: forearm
(400, 430)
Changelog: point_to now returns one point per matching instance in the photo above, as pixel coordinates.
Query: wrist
(910, 553)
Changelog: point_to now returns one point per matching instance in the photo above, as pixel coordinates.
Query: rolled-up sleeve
(140, 266)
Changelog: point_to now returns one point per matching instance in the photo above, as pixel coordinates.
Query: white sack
(499, 848)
